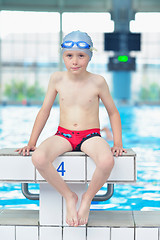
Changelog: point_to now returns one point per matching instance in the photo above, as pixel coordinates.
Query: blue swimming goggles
(80, 44)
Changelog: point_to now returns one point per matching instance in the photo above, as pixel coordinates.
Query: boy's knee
(106, 163)
(39, 159)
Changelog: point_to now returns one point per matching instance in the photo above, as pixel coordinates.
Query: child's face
(75, 61)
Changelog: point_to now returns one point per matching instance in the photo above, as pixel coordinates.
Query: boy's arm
(42, 116)
(44, 112)
(114, 116)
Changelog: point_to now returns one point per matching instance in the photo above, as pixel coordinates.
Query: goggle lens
(82, 44)
(67, 44)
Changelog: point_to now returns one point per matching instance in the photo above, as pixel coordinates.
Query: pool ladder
(97, 198)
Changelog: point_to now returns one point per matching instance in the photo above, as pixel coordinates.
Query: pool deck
(128, 219)
(107, 225)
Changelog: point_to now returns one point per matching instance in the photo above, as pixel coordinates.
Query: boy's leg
(42, 159)
(98, 149)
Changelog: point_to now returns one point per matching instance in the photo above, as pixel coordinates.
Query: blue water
(141, 132)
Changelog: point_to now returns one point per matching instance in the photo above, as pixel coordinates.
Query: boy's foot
(83, 211)
(71, 215)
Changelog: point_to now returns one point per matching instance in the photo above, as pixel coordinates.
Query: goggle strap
(93, 49)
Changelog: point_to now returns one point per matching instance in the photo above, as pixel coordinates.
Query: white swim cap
(78, 36)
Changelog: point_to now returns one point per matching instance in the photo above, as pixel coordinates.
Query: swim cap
(79, 36)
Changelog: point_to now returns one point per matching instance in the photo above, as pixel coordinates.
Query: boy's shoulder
(98, 79)
(57, 76)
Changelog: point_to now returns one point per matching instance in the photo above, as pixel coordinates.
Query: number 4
(61, 168)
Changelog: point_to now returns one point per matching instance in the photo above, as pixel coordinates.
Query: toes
(69, 222)
(72, 222)
(86, 221)
(75, 223)
(83, 221)
(80, 221)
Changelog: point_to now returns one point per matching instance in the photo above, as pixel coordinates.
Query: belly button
(75, 125)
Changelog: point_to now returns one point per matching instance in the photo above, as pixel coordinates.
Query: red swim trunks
(76, 138)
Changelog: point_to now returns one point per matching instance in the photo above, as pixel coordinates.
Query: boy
(79, 129)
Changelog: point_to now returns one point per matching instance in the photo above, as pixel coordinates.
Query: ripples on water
(141, 132)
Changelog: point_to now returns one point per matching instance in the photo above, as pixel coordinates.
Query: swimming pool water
(141, 132)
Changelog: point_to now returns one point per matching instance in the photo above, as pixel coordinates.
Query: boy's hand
(118, 150)
(25, 150)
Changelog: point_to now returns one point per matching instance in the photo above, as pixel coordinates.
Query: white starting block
(76, 168)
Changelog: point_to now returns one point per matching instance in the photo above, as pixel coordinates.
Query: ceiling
(76, 5)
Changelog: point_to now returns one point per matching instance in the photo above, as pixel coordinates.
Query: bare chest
(80, 96)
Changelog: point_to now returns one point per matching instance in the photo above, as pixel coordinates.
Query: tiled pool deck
(105, 225)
